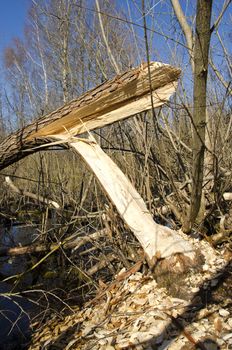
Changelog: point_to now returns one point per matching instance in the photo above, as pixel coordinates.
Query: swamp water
(15, 310)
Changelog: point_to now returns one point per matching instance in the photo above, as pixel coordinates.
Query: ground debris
(134, 312)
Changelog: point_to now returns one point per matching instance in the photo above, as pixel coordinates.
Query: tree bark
(185, 27)
(69, 243)
(119, 98)
(201, 51)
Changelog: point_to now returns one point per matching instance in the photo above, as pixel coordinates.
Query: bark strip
(157, 241)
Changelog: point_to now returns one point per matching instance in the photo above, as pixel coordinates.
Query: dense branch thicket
(68, 48)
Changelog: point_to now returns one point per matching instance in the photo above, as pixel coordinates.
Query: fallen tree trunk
(119, 98)
(126, 95)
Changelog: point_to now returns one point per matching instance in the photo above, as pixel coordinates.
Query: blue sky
(13, 15)
(12, 18)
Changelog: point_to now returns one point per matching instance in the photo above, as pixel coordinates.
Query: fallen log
(130, 93)
(69, 243)
(37, 197)
(119, 98)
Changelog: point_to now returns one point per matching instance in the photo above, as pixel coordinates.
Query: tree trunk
(201, 51)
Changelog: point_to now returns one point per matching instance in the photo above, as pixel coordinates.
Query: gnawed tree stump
(125, 95)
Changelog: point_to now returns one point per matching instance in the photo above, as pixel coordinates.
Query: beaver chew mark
(171, 273)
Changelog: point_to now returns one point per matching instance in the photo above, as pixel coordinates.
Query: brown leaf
(218, 324)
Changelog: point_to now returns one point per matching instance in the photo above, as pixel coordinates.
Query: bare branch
(218, 20)
(37, 197)
(185, 27)
(220, 77)
(111, 57)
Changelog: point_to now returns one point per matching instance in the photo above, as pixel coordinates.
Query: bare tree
(201, 52)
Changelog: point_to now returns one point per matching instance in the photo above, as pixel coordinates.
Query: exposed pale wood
(109, 116)
(156, 240)
(119, 98)
(93, 109)
(160, 96)
(227, 196)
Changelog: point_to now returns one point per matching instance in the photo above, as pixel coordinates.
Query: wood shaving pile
(136, 313)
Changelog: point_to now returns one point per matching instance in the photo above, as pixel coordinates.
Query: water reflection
(14, 321)
(14, 318)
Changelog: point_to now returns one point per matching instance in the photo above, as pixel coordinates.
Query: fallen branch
(101, 264)
(69, 243)
(37, 197)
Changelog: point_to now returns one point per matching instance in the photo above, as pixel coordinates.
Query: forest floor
(139, 311)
